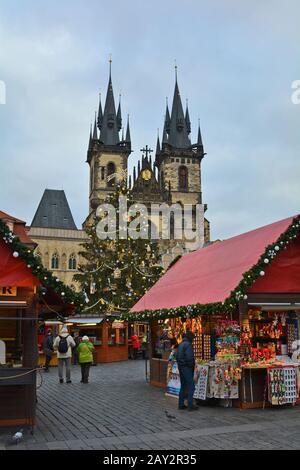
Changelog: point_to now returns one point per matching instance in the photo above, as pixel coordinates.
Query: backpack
(63, 345)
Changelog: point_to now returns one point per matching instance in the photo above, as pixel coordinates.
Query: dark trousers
(85, 370)
(47, 362)
(187, 383)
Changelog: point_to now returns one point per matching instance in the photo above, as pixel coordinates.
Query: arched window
(55, 261)
(111, 170)
(72, 261)
(183, 177)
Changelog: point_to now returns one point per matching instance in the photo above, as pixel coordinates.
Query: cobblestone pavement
(119, 410)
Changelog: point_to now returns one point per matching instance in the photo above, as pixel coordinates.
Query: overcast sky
(236, 64)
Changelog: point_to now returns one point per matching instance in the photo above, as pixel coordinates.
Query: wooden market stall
(241, 298)
(108, 335)
(28, 293)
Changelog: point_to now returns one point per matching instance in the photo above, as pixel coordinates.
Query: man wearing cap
(63, 344)
(186, 366)
(48, 349)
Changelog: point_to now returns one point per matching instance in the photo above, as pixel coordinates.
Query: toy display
(282, 385)
(228, 338)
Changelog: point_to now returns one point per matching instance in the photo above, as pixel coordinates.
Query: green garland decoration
(33, 262)
(239, 293)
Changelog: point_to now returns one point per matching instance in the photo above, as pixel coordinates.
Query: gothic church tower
(179, 161)
(107, 154)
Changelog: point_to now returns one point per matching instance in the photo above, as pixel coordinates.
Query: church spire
(164, 137)
(187, 118)
(167, 118)
(178, 135)
(119, 115)
(100, 114)
(109, 128)
(95, 133)
(157, 144)
(90, 139)
(128, 138)
(199, 140)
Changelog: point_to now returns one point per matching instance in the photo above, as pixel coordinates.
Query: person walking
(48, 349)
(85, 353)
(186, 365)
(63, 344)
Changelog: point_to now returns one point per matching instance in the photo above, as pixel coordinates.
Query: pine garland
(33, 263)
(239, 293)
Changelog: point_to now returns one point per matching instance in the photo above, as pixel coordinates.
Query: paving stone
(119, 410)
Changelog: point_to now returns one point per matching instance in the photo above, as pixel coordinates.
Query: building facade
(172, 176)
(58, 240)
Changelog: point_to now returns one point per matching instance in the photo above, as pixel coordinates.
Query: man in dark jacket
(48, 349)
(186, 366)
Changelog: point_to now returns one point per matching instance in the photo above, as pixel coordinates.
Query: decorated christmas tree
(121, 260)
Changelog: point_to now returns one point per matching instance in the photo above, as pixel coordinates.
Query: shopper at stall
(145, 345)
(48, 349)
(186, 366)
(136, 344)
(63, 344)
(85, 354)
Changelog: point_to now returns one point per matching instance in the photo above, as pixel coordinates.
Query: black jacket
(185, 354)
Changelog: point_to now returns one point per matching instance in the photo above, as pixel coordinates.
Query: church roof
(54, 211)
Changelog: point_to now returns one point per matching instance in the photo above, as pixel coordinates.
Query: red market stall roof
(20, 268)
(210, 274)
(18, 227)
(14, 271)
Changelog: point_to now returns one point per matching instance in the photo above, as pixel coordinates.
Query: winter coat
(71, 344)
(85, 351)
(185, 354)
(48, 345)
(135, 340)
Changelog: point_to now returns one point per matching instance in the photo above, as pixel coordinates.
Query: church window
(72, 262)
(111, 170)
(183, 177)
(55, 261)
(102, 172)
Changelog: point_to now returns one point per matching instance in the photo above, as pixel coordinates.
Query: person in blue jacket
(186, 366)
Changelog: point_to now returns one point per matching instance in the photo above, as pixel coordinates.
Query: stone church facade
(171, 176)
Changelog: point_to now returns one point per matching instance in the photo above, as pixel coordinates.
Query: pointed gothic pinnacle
(199, 140)
(95, 133)
(100, 114)
(128, 138)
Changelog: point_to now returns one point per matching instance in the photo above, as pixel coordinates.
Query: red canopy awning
(14, 271)
(209, 274)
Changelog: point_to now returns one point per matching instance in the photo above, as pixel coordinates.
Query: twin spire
(177, 126)
(109, 122)
(176, 130)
